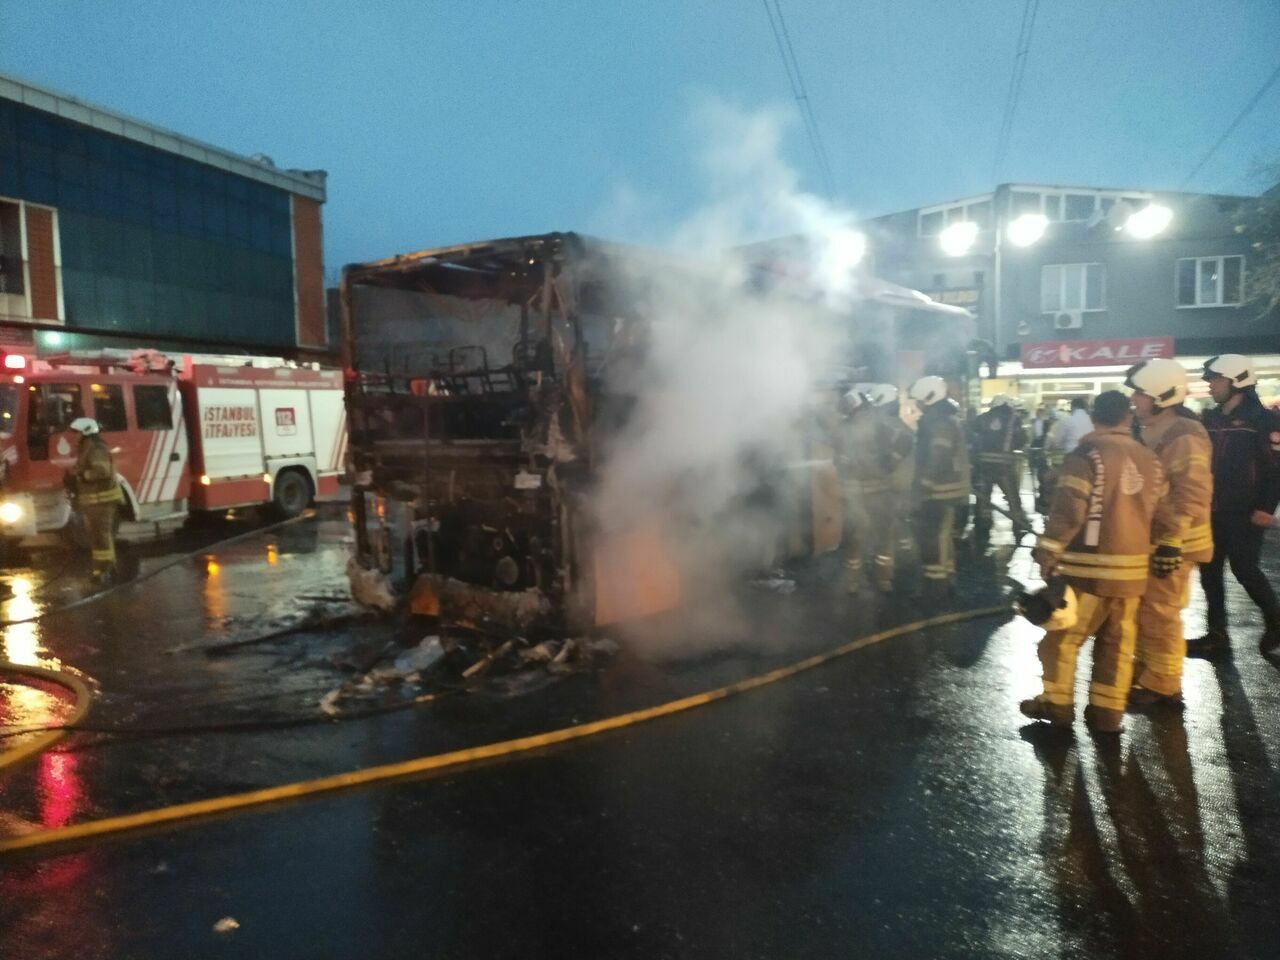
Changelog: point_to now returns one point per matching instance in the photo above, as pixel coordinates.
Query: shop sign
(957, 296)
(1095, 353)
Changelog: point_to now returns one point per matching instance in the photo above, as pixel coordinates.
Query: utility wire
(1025, 31)
(1248, 109)
(787, 52)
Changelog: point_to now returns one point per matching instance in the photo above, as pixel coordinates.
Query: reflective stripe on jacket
(1109, 500)
(942, 456)
(1185, 452)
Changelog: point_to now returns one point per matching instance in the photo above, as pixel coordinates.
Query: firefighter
(1246, 489)
(998, 441)
(888, 405)
(1176, 436)
(1097, 537)
(866, 460)
(97, 496)
(941, 482)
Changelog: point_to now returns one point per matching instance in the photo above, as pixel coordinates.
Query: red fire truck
(194, 436)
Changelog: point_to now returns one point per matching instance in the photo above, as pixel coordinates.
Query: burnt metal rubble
(476, 376)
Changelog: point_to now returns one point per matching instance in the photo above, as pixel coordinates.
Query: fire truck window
(152, 407)
(52, 408)
(8, 410)
(108, 407)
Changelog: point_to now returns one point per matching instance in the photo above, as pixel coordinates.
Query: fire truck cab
(194, 437)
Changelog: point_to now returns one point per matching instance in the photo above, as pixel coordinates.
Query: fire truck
(189, 436)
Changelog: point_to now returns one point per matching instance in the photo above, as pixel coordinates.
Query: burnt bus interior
(483, 383)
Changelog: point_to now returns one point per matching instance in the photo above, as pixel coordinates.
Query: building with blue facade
(114, 232)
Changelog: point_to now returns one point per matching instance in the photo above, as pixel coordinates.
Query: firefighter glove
(1047, 560)
(1167, 559)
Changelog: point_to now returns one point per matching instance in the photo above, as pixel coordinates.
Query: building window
(151, 404)
(1072, 286)
(979, 213)
(11, 273)
(1210, 281)
(931, 224)
(1078, 206)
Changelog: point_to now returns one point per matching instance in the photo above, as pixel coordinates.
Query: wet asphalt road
(890, 804)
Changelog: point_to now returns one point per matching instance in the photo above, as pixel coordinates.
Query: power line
(1248, 109)
(782, 37)
(1026, 28)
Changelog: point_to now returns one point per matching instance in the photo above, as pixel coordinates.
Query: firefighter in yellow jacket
(1108, 502)
(97, 495)
(1177, 437)
(941, 482)
(867, 455)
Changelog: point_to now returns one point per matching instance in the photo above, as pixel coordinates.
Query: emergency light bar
(15, 361)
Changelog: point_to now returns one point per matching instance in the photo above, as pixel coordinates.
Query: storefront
(1053, 372)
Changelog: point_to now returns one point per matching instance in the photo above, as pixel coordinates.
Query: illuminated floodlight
(846, 248)
(958, 238)
(1027, 229)
(1149, 221)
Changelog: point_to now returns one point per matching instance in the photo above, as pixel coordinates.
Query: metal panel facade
(151, 242)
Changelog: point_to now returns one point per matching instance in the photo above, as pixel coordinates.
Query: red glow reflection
(60, 789)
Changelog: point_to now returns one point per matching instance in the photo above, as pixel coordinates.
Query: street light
(1027, 229)
(1149, 221)
(846, 248)
(956, 239)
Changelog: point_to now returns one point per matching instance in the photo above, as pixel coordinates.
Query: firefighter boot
(1056, 714)
(852, 575)
(1215, 643)
(1142, 700)
(1101, 720)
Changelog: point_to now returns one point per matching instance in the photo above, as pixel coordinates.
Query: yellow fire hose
(108, 826)
(42, 741)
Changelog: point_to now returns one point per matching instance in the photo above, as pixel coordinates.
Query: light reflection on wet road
(893, 804)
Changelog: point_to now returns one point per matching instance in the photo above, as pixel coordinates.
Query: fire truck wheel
(292, 494)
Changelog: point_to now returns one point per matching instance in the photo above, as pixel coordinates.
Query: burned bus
(490, 386)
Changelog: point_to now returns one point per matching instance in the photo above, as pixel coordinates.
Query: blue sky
(442, 122)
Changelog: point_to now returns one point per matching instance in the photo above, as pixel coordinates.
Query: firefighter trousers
(935, 527)
(100, 519)
(1161, 642)
(1009, 481)
(870, 528)
(1113, 623)
(1238, 542)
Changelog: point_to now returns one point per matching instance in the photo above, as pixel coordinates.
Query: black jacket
(1246, 457)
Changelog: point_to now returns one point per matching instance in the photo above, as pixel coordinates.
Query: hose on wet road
(48, 737)
(107, 827)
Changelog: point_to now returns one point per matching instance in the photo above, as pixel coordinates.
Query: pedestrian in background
(1175, 435)
(1064, 436)
(1097, 537)
(1246, 490)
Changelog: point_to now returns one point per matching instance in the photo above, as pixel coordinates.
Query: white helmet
(1236, 368)
(857, 396)
(87, 426)
(1161, 379)
(1001, 400)
(928, 390)
(883, 394)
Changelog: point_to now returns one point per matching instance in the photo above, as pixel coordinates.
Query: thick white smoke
(715, 445)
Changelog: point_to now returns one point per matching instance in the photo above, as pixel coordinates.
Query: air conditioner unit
(1068, 320)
